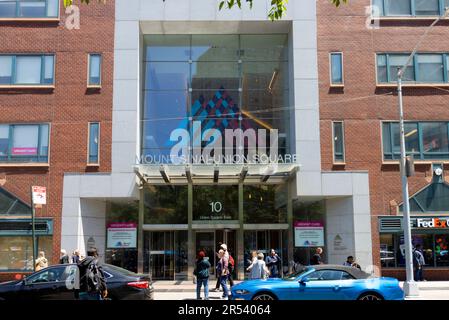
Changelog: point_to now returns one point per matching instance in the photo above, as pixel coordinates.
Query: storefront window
(125, 213)
(441, 250)
(216, 202)
(16, 253)
(265, 204)
(387, 252)
(165, 205)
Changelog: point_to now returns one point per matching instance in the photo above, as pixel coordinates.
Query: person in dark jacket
(316, 259)
(202, 275)
(64, 259)
(418, 263)
(76, 256)
(273, 264)
(88, 289)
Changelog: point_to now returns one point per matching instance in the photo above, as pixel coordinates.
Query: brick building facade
(352, 194)
(362, 104)
(68, 107)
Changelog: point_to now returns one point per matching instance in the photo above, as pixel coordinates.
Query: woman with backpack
(202, 275)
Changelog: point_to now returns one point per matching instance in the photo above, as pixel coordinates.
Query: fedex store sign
(432, 223)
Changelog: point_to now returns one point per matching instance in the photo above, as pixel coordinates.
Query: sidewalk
(431, 285)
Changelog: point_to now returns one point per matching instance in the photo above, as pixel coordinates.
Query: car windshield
(292, 276)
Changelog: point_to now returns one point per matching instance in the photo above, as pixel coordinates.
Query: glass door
(262, 241)
(162, 264)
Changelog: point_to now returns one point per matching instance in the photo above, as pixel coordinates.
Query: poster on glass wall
(309, 234)
(122, 235)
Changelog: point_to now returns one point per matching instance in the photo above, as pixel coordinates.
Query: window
(29, 8)
(94, 135)
(408, 8)
(216, 202)
(16, 252)
(339, 142)
(27, 70)
(424, 68)
(441, 250)
(220, 81)
(53, 274)
(265, 204)
(94, 69)
(425, 140)
(434, 248)
(336, 61)
(24, 143)
(329, 275)
(430, 68)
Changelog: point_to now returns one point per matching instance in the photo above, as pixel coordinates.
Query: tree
(277, 10)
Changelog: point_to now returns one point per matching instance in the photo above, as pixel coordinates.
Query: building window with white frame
(27, 70)
(336, 68)
(24, 143)
(94, 145)
(29, 9)
(338, 138)
(410, 8)
(94, 77)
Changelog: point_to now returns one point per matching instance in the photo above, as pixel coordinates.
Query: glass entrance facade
(198, 90)
(198, 83)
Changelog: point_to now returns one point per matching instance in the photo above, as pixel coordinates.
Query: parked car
(60, 282)
(321, 282)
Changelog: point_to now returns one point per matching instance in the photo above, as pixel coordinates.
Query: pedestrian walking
(202, 275)
(258, 269)
(231, 264)
(350, 262)
(76, 257)
(273, 264)
(418, 263)
(64, 258)
(92, 280)
(223, 271)
(316, 258)
(41, 262)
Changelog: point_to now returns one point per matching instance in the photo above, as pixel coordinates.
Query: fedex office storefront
(216, 139)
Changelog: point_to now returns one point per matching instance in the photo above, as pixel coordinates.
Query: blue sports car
(322, 282)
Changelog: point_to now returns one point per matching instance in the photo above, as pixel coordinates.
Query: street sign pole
(33, 231)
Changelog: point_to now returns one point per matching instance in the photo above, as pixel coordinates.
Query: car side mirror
(303, 281)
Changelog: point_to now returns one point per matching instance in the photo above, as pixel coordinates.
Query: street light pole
(410, 286)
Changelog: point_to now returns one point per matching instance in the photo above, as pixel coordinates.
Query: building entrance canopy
(274, 173)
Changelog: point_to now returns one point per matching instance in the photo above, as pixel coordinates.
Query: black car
(60, 282)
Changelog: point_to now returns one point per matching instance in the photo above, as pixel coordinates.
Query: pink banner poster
(24, 151)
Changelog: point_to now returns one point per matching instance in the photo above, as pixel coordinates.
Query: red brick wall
(362, 106)
(430, 274)
(69, 107)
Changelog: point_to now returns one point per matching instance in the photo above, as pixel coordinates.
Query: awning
(275, 173)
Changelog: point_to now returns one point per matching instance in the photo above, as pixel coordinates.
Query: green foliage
(70, 2)
(277, 10)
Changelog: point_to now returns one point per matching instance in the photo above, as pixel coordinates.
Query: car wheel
(264, 296)
(371, 296)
